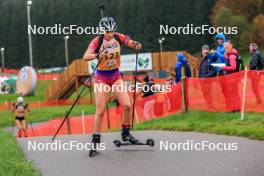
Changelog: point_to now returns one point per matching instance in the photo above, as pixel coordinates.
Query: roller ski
(128, 139)
(149, 142)
(95, 145)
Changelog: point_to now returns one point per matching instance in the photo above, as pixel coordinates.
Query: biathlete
(20, 111)
(106, 48)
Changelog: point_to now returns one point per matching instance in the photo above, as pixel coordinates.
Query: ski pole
(102, 8)
(135, 88)
(76, 100)
(12, 120)
(31, 124)
(12, 123)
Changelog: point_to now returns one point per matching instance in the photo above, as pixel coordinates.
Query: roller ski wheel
(92, 153)
(150, 142)
(117, 143)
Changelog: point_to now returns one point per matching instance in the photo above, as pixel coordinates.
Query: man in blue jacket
(220, 50)
(182, 62)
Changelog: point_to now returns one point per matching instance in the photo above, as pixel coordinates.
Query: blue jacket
(220, 50)
(182, 62)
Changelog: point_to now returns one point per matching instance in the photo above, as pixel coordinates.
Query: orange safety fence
(10, 71)
(254, 96)
(41, 76)
(49, 76)
(217, 94)
(155, 106)
(225, 93)
(40, 104)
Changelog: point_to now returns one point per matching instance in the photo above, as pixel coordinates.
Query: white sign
(128, 62)
(218, 64)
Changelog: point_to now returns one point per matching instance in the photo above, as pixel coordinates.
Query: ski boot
(127, 136)
(95, 144)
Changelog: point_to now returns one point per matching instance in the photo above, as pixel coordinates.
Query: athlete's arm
(135, 45)
(89, 55)
(90, 52)
(26, 107)
(129, 42)
(12, 109)
(28, 110)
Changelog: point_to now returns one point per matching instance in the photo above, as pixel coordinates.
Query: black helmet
(107, 24)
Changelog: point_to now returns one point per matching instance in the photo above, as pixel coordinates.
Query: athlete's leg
(124, 100)
(19, 126)
(24, 127)
(100, 102)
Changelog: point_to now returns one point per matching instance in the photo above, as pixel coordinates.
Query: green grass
(39, 93)
(12, 159)
(219, 123)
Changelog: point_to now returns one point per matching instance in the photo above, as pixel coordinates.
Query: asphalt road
(247, 160)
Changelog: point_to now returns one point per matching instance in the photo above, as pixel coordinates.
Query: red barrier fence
(41, 76)
(218, 94)
(49, 76)
(147, 108)
(10, 71)
(39, 104)
(225, 93)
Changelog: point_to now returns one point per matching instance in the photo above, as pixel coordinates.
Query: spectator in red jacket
(230, 85)
(231, 55)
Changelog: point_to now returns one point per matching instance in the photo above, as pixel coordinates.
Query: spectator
(257, 60)
(220, 50)
(206, 70)
(256, 63)
(147, 89)
(170, 81)
(230, 58)
(230, 86)
(182, 63)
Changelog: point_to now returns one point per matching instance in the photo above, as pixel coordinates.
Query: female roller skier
(106, 48)
(20, 111)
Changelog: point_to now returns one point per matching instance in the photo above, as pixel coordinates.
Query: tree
(258, 29)
(140, 19)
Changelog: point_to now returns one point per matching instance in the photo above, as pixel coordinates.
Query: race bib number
(110, 62)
